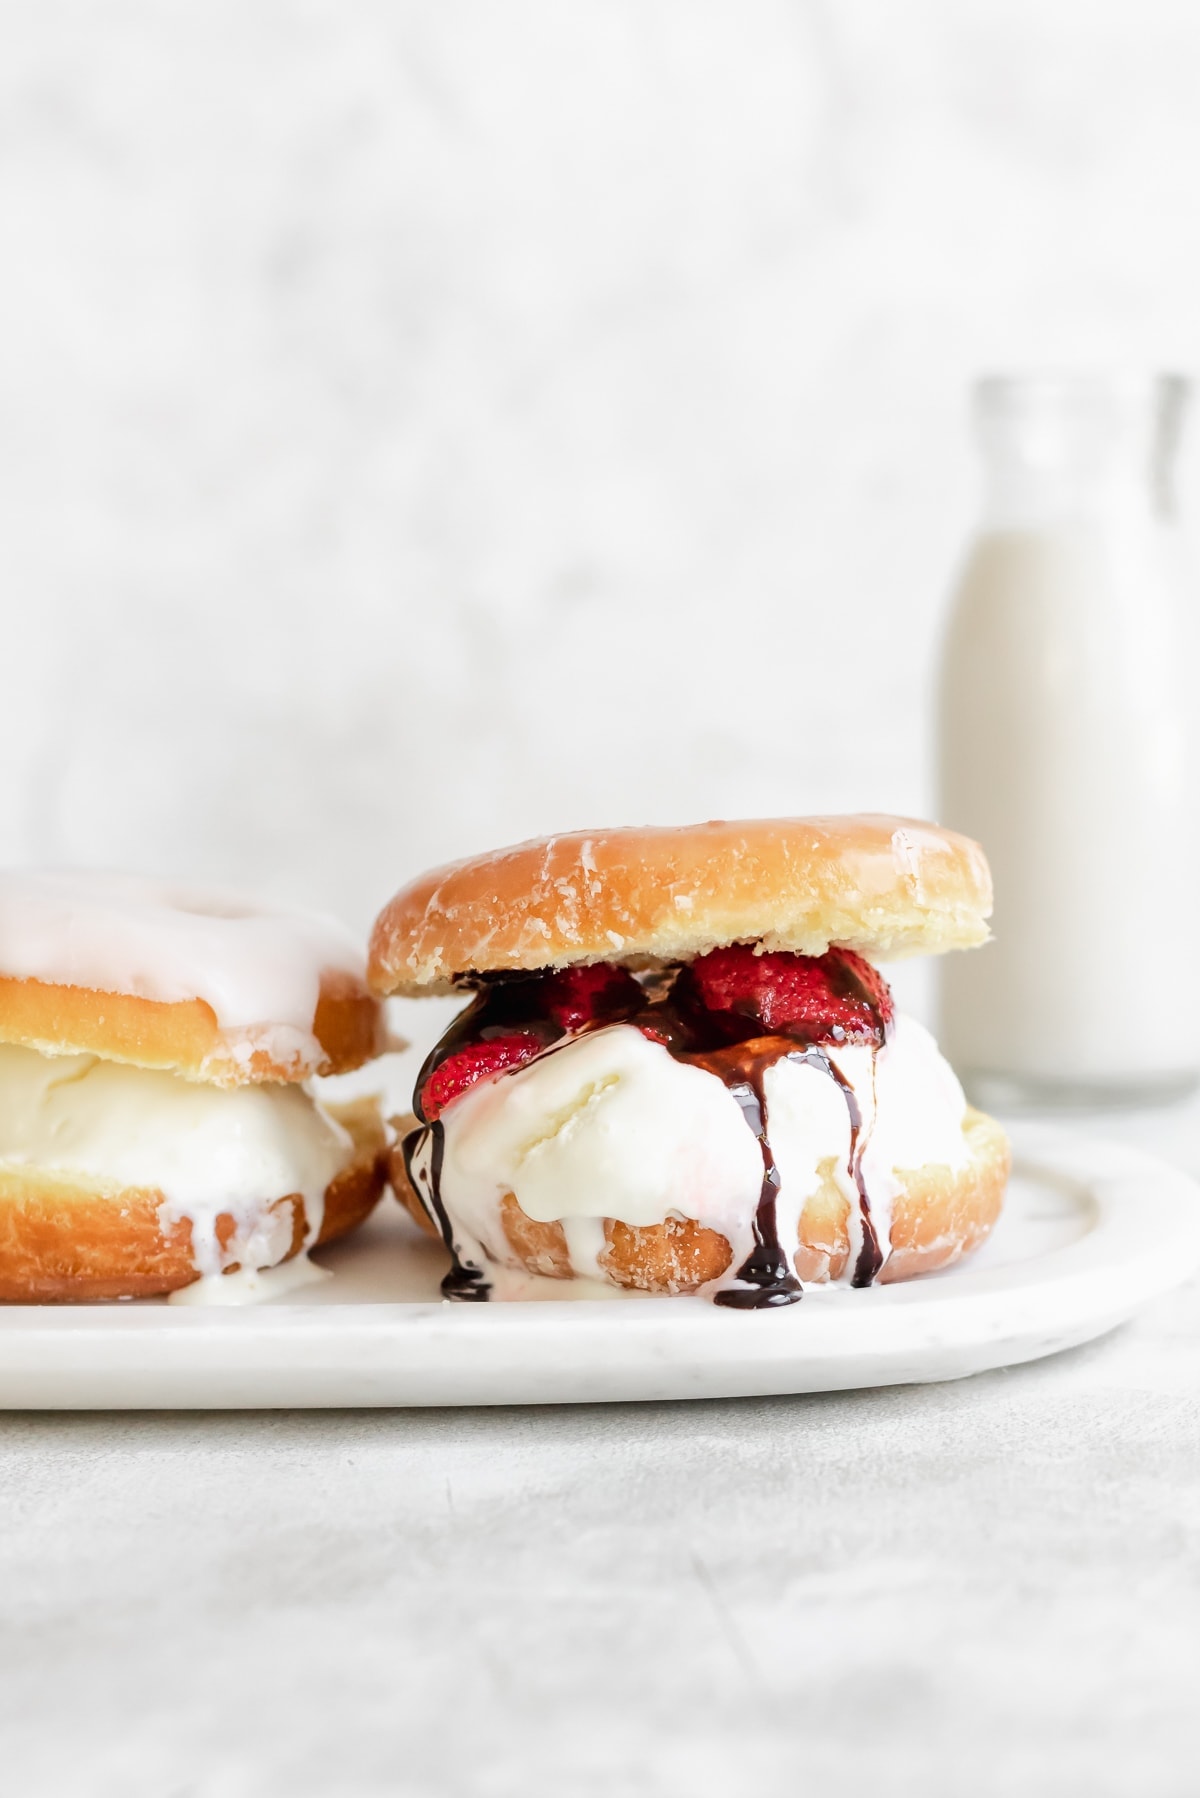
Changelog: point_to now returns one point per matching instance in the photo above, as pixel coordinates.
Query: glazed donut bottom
(940, 1215)
(183, 1037)
(63, 1240)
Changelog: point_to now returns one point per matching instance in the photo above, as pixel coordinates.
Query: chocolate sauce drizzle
(870, 1254)
(465, 1281)
(766, 1276)
(731, 1044)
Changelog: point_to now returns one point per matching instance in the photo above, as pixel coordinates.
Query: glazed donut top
(206, 983)
(886, 887)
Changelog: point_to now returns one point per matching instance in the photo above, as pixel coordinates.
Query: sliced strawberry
(877, 989)
(478, 1061)
(836, 996)
(576, 997)
(512, 1019)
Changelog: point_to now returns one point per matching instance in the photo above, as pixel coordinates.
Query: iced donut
(208, 985)
(155, 1128)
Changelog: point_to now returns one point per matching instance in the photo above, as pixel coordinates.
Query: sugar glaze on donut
(209, 984)
(886, 887)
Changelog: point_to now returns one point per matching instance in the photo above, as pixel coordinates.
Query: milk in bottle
(1067, 712)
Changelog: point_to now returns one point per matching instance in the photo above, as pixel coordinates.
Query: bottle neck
(1064, 451)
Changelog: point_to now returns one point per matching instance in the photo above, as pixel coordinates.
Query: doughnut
(65, 1238)
(679, 1068)
(155, 1126)
(886, 887)
(207, 985)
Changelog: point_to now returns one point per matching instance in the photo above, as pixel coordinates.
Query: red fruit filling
(554, 1003)
(576, 997)
(836, 996)
(476, 1062)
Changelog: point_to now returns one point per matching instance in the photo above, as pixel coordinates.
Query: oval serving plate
(1091, 1231)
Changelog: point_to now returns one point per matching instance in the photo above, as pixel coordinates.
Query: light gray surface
(983, 1587)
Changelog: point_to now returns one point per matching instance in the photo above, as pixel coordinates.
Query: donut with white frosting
(156, 1133)
(207, 984)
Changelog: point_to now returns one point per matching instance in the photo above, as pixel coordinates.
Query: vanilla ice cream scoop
(610, 1125)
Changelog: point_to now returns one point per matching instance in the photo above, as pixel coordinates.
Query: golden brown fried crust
(941, 1215)
(947, 1215)
(60, 1242)
(886, 887)
(183, 1038)
(540, 1248)
(397, 1174)
(677, 1256)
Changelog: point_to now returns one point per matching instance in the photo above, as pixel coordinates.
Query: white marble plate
(1091, 1231)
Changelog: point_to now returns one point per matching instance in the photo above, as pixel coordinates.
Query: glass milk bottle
(1066, 715)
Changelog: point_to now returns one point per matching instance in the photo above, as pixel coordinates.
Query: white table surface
(985, 1587)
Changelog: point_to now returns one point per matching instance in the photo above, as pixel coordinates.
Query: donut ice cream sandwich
(156, 1129)
(680, 1068)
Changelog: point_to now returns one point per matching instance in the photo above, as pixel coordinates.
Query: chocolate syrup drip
(870, 1255)
(506, 1004)
(731, 1044)
(766, 1275)
(465, 1281)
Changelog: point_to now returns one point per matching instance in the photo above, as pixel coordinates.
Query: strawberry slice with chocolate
(514, 1018)
(478, 1061)
(598, 993)
(835, 997)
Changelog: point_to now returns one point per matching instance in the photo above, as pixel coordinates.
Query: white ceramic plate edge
(1144, 1238)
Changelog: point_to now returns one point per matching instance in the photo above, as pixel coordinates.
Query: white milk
(1068, 696)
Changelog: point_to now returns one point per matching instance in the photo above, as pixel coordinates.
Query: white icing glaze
(258, 968)
(585, 1244)
(808, 1124)
(250, 1285)
(209, 1152)
(469, 1248)
(611, 1125)
(916, 1118)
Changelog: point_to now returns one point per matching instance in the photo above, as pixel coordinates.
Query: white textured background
(422, 425)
